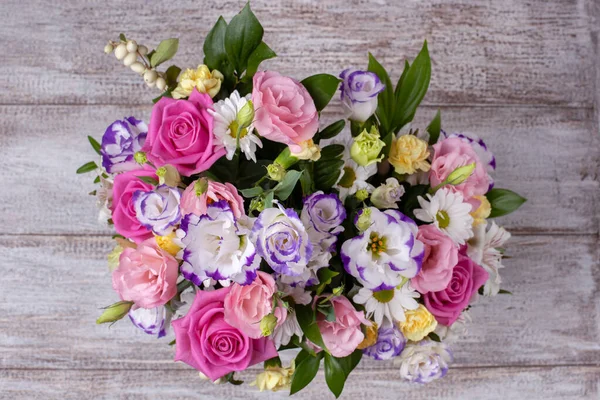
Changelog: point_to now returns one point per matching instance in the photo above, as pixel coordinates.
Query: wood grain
(549, 155)
(483, 52)
(549, 383)
(53, 288)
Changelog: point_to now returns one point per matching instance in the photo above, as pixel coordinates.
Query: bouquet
(245, 227)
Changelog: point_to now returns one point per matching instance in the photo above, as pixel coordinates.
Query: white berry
(130, 59)
(132, 46)
(137, 67)
(143, 50)
(151, 84)
(161, 84)
(121, 51)
(109, 48)
(150, 76)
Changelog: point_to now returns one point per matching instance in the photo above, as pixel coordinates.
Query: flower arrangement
(247, 228)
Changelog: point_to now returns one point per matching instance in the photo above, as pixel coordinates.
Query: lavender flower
(158, 209)
(424, 361)
(120, 142)
(390, 343)
(359, 93)
(385, 252)
(216, 246)
(153, 321)
(282, 241)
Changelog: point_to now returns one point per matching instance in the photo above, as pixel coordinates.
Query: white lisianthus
(104, 196)
(153, 321)
(449, 212)
(484, 249)
(450, 334)
(424, 361)
(388, 194)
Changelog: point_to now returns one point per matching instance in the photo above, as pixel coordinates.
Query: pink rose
(147, 275)
(344, 335)
(205, 341)
(246, 305)
(447, 305)
(452, 153)
(285, 112)
(194, 204)
(441, 255)
(123, 212)
(180, 134)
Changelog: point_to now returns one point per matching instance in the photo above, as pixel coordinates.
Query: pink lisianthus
(246, 305)
(147, 275)
(205, 341)
(344, 335)
(441, 255)
(181, 134)
(452, 153)
(191, 203)
(285, 112)
(447, 305)
(123, 212)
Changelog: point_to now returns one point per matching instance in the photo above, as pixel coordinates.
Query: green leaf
(413, 86)
(327, 173)
(321, 88)
(149, 180)
(87, 167)
(305, 371)
(385, 99)
(122, 37)
(307, 321)
(252, 192)
(434, 128)
(434, 336)
(332, 130)
(164, 52)
(401, 79)
(95, 144)
(287, 185)
(504, 201)
(97, 180)
(306, 180)
(242, 36)
(172, 73)
(214, 45)
(325, 276)
(330, 317)
(502, 291)
(269, 199)
(332, 152)
(337, 370)
(387, 139)
(260, 54)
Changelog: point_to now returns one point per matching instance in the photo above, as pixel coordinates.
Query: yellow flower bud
(364, 220)
(366, 147)
(166, 243)
(370, 337)
(115, 312)
(460, 174)
(274, 378)
(168, 175)
(409, 154)
(201, 186)
(482, 212)
(361, 195)
(418, 324)
(268, 324)
(276, 171)
(201, 79)
(140, 157)
(310, 151)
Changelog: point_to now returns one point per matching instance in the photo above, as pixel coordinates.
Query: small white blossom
(387, 305)
(484, 249)
(424, 361)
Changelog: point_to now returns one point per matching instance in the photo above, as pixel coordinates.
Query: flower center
(384, 296)
(233, 128)
(348, 178)
(376, 244)
(443, 219)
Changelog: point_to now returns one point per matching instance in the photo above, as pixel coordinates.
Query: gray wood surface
(522, 74)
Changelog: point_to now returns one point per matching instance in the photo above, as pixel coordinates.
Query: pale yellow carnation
(309, 151)
(200, 78)
(370, 337)
(409, 154)
(482, 212)
(418, 324)
(274, 378)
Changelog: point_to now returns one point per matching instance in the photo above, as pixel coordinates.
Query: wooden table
(521, 74)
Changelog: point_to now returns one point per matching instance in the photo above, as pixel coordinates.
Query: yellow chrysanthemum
(166, 243)
(418, 324)
(370, 337)
(200, 78)
(409, 154)
(482, 212)
(274, 378)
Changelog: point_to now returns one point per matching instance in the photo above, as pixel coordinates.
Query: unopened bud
(129, 59)
(138, 67)
(168, 175)
(268, 324)
(257, 204)
(115, 312)
(132, 46)
(109, 48)
(121, 51)
(161, 84)
(150, 76)
(246, 115)
(201, 186)
(363, 222)
(276, 171)
(361, 195)
(140, 157)
(143, 50)
(460, 174)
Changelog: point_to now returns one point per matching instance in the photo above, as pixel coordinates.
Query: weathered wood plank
(501, 52)
(547, 383)
(53, 288)
(549, 155)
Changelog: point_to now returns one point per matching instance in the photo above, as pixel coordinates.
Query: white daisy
(484, 249)
(449, 212)
(387, 305)
(225, 127)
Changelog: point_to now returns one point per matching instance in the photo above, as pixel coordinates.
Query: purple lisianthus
(282, 241)
(480, 148)
(216, 246)
(153, 321)
(323, 213)
(121, 140)
(359, 93)
(385, 252)
(158, 209)
(390, 343)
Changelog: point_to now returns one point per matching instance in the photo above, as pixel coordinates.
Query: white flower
(484, 249)
(104, 197)
(387, 194)
(153, 321)
(424, 361)
(450, 334)
(448, 212)
(387, 305)
(225, 127)
(284, 332)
